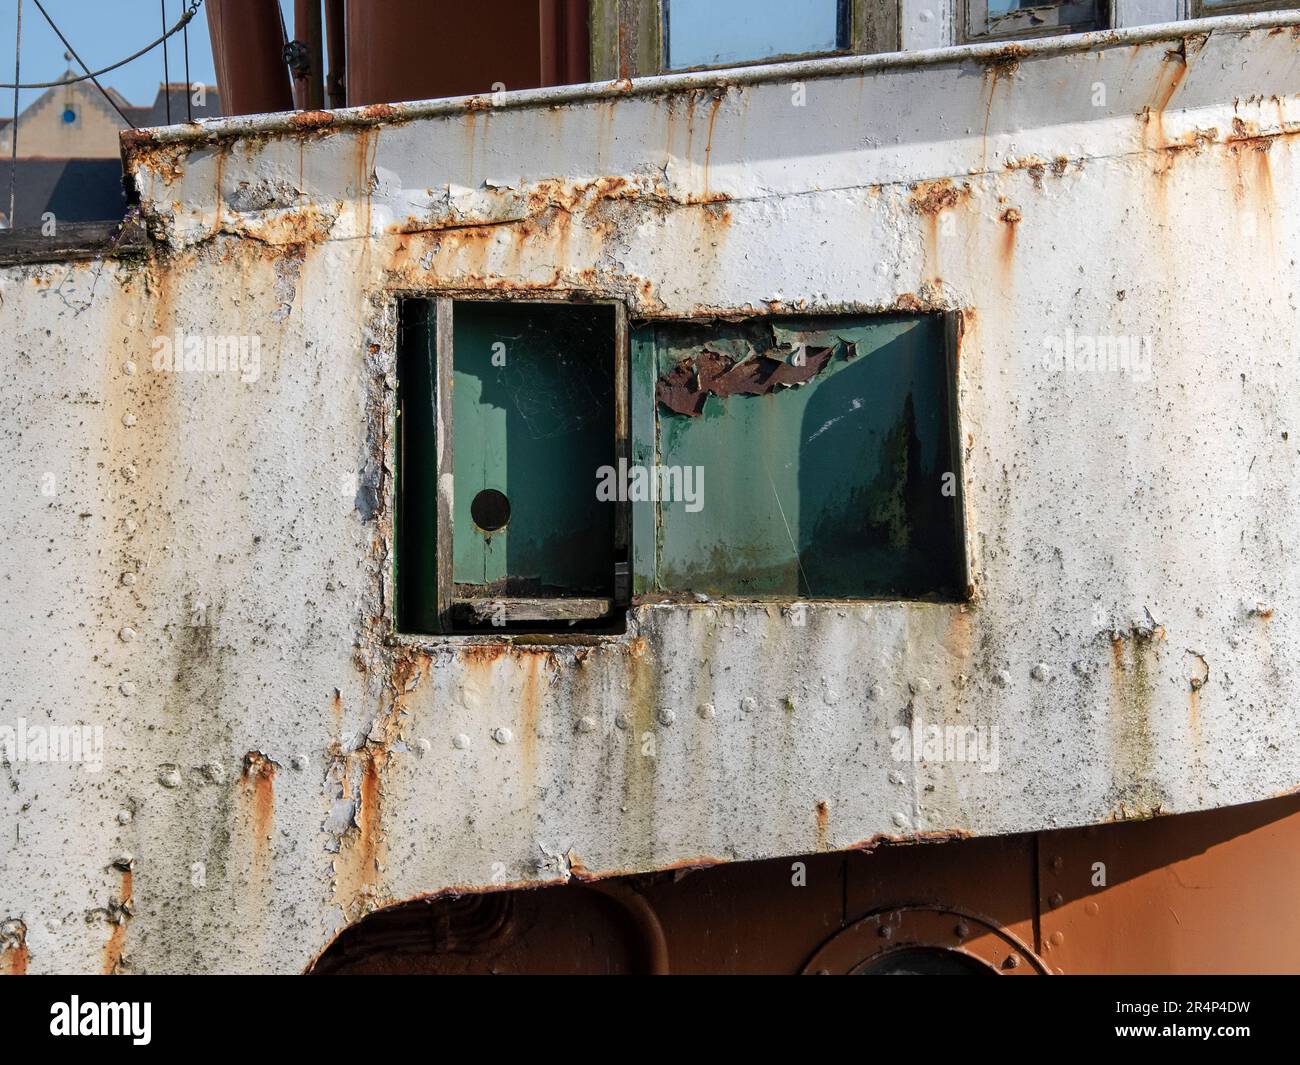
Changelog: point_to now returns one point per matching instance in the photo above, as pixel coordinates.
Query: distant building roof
(88, 186)
(180, 96)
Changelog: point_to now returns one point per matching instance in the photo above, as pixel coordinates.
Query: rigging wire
(13, 161)
(167, 77)
(189, 87)
(67, 44)
(90, 75)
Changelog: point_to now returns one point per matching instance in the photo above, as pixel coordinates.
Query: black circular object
(490, 510)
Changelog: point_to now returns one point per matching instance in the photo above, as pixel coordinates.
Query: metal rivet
(621, 721)
(126, 634)
(1055, 899)
(502, 735)
(169, 776)
(129, 368)
(586, 724)
(885, 932)
(1040, 671)
(1012, 961)
(128, 419)
(962, 929)
(128, 579)
(707, 711)
(127, 687)
(748, 704)
(460, 741)
(667, 716)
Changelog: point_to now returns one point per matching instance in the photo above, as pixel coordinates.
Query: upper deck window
(710, 33)
(990, 19)
(634, 38)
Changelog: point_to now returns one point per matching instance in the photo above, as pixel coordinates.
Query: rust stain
(118, 915)
(312, 120)
(1035, 167)
(13, 962)
(528, 714)
(14, 956)
(884, 839)
(259, 793)
(932, 197)
(708, 143)
(1010, 219)
(823, 824)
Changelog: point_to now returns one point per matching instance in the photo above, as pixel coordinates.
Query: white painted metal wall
(208, 582)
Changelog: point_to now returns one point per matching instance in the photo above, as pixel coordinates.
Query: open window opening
(508, 412)
(801, 457)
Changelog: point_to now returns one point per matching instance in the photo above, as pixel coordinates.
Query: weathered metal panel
(210, 581)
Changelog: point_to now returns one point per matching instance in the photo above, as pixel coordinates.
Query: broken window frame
(645, 441)
(510, 612)
(628, 41)
(1079, 16)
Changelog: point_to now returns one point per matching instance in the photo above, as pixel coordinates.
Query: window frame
(645, 440)
(446, 621)
(1079, 16)
(1200, 9)
(627, 38)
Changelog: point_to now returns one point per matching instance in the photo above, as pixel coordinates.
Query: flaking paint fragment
(685, 387)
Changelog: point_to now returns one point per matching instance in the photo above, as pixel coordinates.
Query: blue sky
(102, 32)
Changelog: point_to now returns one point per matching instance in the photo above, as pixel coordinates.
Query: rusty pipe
(248, 52)
(309, 81)
(565, 57)
(334, 26)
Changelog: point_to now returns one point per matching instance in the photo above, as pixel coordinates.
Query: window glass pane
(716, 32)
(998, 8)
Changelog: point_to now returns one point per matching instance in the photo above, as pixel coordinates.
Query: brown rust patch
(118, 913)
(1010, 219)
(823, 815)
(685, 388)
(1005, 62)
(310, 120)
(1033, 165)
(259, 794)
(884, 839)
(14, 956)
(932, 197)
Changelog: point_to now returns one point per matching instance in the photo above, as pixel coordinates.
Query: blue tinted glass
(704, 33)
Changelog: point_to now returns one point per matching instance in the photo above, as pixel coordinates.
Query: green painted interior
(832, 489)
(533, 417)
